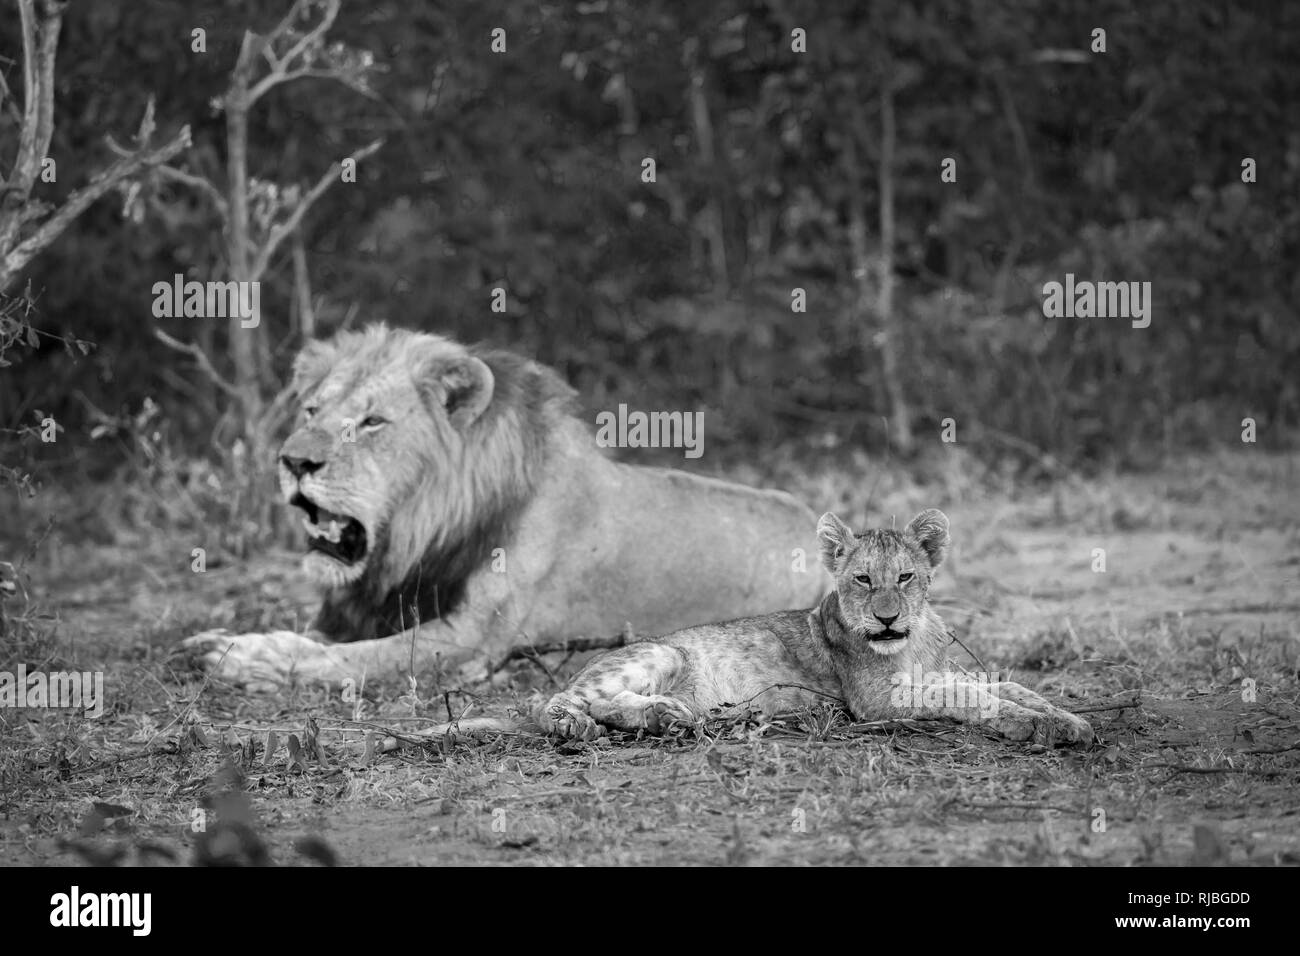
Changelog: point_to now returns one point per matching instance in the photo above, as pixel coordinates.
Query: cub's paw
(257, 662)
(632, 712)
(1065, 727)
(1050, 728)
(1018, 694)
(1018, 713)
(1013, 722)
(566, 718)
(661, 712)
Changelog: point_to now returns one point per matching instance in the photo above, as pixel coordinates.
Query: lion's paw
(257, 662)
(1014, 726)
(1049, 727)
(566, 718)
(1018, 694)
(662, 712)
(1063, 726)
(630, 711)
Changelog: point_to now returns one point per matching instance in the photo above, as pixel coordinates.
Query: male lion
(455, 507)
(873, 644)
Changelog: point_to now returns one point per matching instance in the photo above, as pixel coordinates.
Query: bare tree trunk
(711, 216)
(884, 339)
(302, 291)
(26, 226)
(239, 245)
(890, 331)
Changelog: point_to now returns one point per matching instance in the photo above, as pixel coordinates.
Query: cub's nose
(300, 466)
(886, 621)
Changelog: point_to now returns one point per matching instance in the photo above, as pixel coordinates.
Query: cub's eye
(906, 576)
(373, 421)
(863, 579)
(309, 411)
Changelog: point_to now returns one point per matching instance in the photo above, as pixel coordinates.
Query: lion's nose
(300, 466)
(886, 621)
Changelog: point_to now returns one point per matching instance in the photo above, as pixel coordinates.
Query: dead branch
(83, 198)
(200, 184)
(1135, 703)
(201, 359)
(577, 645)
(284, 229)
(281, 71)
(1177, 768)
(40, 35)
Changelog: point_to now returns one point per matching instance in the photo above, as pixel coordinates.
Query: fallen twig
(1136, 702)
(532, 651)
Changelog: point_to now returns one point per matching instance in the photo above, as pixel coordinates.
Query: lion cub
(873, 644)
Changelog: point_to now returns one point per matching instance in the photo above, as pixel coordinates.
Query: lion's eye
(863, 579)
(309, 411)
(373, 421)
(906, 576)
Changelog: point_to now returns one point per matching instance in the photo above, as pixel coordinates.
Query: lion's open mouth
(889, 634)
(340, 537)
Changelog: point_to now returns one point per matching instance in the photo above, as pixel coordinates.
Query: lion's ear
(835, 537)
(462, 386)
(312, 364)
(930, 529)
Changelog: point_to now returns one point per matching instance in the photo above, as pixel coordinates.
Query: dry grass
(1199, 595)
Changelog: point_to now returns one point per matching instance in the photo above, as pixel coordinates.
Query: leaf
(272, 745)
(32, 338)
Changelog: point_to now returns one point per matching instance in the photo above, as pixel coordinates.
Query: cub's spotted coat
(873, 643)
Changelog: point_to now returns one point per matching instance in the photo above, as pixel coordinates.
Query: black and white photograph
(641, 433)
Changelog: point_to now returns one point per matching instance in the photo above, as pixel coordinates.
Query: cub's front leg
(1066, 726)
(627, 689)
(1011, 710)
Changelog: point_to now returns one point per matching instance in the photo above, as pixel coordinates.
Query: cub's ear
(461, 385)
(930, 529)
(835, 537)
(312, 364)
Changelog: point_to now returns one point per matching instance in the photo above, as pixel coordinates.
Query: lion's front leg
(1067, 726)
(1017, 713)
(258, 662)
(265, 662)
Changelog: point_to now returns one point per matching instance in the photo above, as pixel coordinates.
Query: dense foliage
(522, 169)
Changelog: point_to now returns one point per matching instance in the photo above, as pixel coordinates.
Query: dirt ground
(1184, 653)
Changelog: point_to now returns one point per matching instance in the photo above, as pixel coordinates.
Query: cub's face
(883, 577)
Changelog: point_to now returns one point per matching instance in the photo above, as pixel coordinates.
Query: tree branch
(201, 359)
(284, 229)
(15, 259)
(279, 72)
